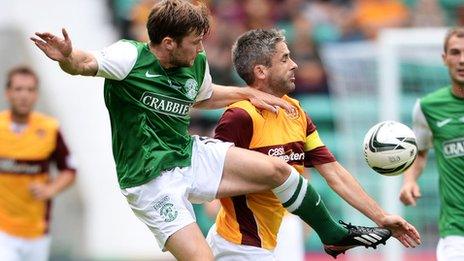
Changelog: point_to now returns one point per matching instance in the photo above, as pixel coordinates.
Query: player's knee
(280, 172)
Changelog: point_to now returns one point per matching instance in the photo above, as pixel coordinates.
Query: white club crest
(191, 88)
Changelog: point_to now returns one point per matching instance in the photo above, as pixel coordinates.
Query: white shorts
(164, 204)
(290, 239)
(224, 250)
(450, 248)
(14, 248)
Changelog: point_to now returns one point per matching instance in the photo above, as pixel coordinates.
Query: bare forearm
(414, 172)
(79, 63)
(345, 185)
(223, 96)
(352, 192)
(62, 181)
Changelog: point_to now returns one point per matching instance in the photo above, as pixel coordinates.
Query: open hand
(402, 230)
(56, 48)
(269, 102)
(41, 191)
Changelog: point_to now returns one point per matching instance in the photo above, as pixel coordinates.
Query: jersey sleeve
(421, 128)
(316, 153)
(61, 155)
(116, 61)
(235, 126)
(206, 88)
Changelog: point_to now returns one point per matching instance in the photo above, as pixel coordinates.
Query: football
(390, 148)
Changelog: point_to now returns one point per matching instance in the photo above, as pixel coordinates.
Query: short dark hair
(455, 31)
(253, 48)
(176, 19)
(21, 69)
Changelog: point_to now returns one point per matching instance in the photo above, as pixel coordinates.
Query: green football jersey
(444, 113)
(149, 110)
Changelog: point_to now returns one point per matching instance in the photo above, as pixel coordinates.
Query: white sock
(292, 191)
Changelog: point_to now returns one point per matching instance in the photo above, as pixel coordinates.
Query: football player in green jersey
(438, 122)
(149, 89)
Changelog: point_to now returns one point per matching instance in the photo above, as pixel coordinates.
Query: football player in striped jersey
(29, 142)
(247, 226)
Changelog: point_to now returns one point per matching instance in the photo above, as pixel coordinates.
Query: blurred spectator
(121, 11)
(427, 13)
(218, 45)
(328, 19)
(229, 11)
(370, 16)
(29, 142)
(138, 20)
(230, 18)
(310, 76)
(460, 16)
(258, 14)
(453, 11)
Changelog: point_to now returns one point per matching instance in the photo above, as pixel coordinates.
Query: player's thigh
(247, 171)
(9, 248)
(223, 250)
(451, 248)
(162, 204)
(189, 243)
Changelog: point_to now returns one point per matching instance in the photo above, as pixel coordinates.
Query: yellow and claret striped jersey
(254, 219)
(24, 159)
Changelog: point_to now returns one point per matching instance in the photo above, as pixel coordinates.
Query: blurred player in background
(29, 142)
(149, 90)
(246, 226)
(438, 122)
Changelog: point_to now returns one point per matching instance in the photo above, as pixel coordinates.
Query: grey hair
(455, 31)
(255, 47)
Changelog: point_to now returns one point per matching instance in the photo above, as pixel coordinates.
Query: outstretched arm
(59, 49)
(345, 185)
(223, 96)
